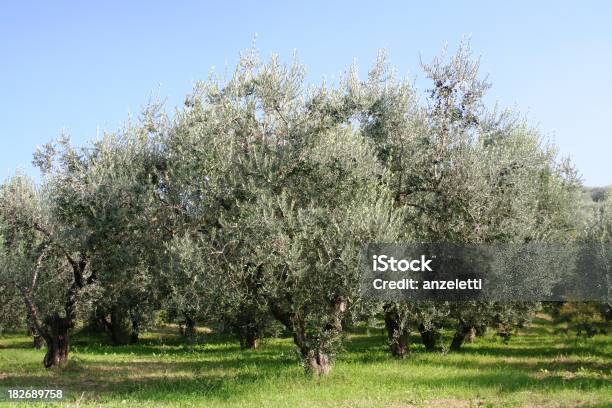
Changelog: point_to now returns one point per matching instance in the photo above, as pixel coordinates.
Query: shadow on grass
(262, 363)
(164, 369)
(142, 388)
(17, 345)
(161, 381)
(533, 367)
(503, 381)
(542, 351)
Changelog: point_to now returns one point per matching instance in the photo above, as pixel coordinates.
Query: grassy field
(536, 368)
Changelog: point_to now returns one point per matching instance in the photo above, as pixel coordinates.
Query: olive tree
(279, 192)
(464, 174)
(87, 238)
(46, 261)
(106, 191)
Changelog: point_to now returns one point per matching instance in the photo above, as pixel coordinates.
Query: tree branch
(25, 293)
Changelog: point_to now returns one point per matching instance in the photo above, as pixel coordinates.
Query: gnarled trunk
(189, 330)
(318, 362)
(471, 336)
(399, 337)
(429, 337)
(135, 318)
(249, 337)
(463, 331)
(37, 339)
(118, 325)
(115, 330)
(55, 330)
(57, 341)
(315, 354)
(113, 326)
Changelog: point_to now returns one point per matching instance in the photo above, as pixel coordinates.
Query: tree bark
(318, 363)
(190, 329)
(108, 326)
(316, 360)
(114, 327)
(249, 337)
(461, 333)
(471, 335)
(56, 336)
(135, 317)
(38, 341)
(58, 342)
(119, 326)
(429, 338)
(399, 337)
(55, 330)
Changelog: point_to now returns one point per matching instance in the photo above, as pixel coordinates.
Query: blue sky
(82, 66)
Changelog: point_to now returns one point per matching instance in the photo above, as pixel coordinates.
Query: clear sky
(82, 66)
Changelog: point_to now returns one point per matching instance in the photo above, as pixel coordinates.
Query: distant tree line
(248, 208)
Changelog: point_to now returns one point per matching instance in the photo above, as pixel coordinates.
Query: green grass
(536, 368)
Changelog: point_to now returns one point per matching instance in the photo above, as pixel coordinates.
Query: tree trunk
(461, 333)
(252, 339)
(399, 337)
(429, 338)
(57, 343)
(135, 317)
(471, 336)
(318, 363)
(190, 329)
(119, 326)
(316, 360)
(37, 339)
(249, 337)
(114, 327)
(56, 332)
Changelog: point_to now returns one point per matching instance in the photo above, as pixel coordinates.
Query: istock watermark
(523, 272)
(29, 395)
(383, 263)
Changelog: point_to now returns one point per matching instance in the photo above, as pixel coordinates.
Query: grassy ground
(536, 368)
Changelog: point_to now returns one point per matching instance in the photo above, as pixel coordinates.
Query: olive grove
(249, 206)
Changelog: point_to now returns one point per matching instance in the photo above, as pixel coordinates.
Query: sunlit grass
(535, 368)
